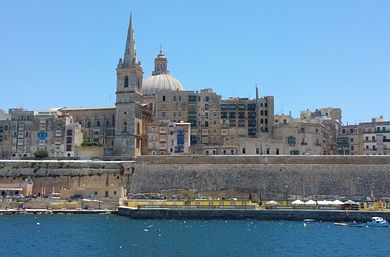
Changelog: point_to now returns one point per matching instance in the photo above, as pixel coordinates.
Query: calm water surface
(110, 235)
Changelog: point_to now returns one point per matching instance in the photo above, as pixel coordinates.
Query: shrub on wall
(91, 143)
(41, 154)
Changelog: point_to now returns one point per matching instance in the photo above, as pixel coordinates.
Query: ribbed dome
(160, 82)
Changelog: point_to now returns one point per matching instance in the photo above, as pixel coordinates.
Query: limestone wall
(266, 176)
(103, 180)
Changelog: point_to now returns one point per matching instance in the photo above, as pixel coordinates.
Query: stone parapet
(265, 159)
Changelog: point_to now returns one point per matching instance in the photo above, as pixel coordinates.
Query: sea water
(111, 235)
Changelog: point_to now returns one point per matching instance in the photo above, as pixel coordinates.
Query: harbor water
(111, 235)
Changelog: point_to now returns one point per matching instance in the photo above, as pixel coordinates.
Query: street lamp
(286, 195)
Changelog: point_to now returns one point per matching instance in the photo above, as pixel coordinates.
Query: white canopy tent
(324, 202)
(337, 202)
(311, 202)
(297, 202)
(351, 202)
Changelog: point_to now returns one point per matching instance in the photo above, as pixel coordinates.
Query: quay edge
(241, 214)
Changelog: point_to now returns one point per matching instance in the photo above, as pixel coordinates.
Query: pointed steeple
(130, 52)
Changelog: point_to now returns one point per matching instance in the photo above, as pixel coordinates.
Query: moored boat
(352, 224)
(377, 222)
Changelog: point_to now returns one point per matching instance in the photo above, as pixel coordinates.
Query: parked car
(18, 196)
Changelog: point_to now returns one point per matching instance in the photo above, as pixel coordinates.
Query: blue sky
(308, 54)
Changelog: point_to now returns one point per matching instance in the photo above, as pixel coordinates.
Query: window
(105, 193)
(351, 139)
(138, 128)
(125, 127)
(268, 151)
(126, 84)
(257, 150)
(174, 98)
(206, 123)
(352, 148)
(243, 150)
(69, 148)
(98, 123)
(69, 132)
(277, 151)
(163, 98)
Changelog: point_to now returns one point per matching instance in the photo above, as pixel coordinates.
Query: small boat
(308, 220)
(352, 224)
(377, 222)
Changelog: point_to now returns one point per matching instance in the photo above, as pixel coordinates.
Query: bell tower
(128, 118)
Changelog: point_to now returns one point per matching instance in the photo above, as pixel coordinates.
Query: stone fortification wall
(104, 180)
(266, 176)
(36, 168)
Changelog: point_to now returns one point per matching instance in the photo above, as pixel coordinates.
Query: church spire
(130, 52)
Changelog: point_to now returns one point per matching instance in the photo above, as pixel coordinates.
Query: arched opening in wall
(125, 127)
(139, 84)
(126, 82)
(138, 128)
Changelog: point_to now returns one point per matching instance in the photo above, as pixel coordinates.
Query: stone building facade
(368, 138)
(146, 106)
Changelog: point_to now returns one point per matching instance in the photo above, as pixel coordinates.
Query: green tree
(41, 154)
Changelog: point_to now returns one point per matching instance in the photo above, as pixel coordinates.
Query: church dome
(160, 82)
(160, 79)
